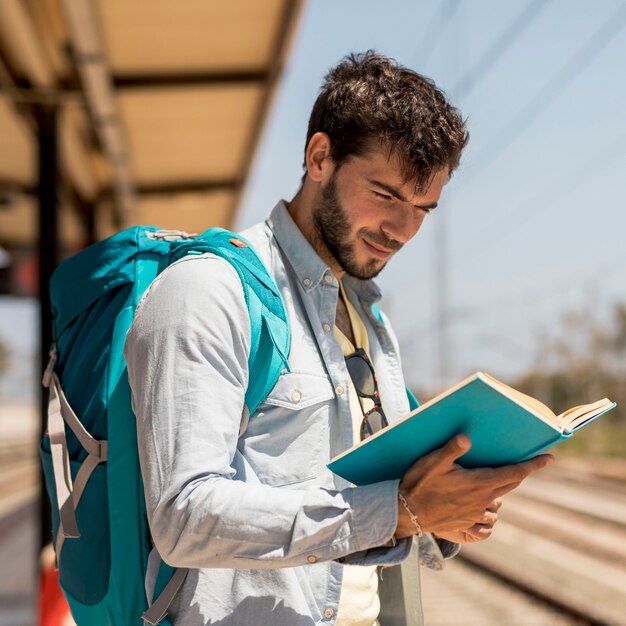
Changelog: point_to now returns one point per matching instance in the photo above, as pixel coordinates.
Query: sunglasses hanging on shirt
(366, 386)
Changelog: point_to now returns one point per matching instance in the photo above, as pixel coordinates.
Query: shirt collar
(306, 263)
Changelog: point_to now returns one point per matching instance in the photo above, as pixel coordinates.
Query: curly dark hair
(371, 97)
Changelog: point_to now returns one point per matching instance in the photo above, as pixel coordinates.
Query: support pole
(46, 115)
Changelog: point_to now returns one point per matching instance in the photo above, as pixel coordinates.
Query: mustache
(381, 240)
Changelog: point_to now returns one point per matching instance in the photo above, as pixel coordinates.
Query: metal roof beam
(96, 80)
(282, 43)
(22, 45)
(187, 186)
(9, 187)
(188, 79)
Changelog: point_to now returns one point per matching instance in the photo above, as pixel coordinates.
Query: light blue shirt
(249, 505)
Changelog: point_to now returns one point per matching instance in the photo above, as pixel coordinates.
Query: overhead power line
(497, 49)
(554, 288)
(574, 67)
(499, 230)
(444, 338)
(431, 35)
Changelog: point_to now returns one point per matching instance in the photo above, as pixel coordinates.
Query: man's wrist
(412, 516)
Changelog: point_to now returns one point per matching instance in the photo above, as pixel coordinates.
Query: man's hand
(478, 532)
(447, 498)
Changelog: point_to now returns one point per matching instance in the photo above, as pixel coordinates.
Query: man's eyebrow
(396, 193)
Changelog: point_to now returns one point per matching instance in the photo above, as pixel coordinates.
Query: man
(271, 535)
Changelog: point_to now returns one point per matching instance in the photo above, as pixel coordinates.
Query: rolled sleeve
(376, 513)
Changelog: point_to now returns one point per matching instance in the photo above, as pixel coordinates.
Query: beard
(333, 230)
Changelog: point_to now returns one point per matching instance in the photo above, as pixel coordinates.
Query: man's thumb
(452, 450)
(440, 458)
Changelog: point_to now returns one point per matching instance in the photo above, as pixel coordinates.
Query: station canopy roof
(160, 108)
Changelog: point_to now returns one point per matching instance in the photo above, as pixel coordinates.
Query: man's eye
(382, 196)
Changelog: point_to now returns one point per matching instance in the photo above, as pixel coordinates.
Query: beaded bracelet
(412, 515)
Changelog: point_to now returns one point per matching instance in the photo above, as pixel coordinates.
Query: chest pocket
(287, 440)
(299, 390)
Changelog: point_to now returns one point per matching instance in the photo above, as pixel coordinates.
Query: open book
(504, 425)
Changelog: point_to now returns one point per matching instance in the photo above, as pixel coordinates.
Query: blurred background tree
(586, 361)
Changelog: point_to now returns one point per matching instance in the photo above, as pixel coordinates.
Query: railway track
(557, 556)
(19, 477)
(19, 465)
(19, 486)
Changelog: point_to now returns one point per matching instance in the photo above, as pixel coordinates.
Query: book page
(579, 414)
(537, 407)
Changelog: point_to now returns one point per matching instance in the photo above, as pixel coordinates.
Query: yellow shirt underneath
(359, 604)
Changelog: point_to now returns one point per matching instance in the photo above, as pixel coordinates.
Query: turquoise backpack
(89, 455)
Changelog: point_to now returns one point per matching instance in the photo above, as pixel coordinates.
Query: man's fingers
(489, 518)
(494, 507)
(536, 463)
(481, 531)
(513, 475)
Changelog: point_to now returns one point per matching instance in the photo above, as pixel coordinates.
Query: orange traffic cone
(53, 607)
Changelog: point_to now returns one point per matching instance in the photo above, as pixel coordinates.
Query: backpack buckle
(103, 451)
(170, 235)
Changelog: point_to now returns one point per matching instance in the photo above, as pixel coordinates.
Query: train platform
(461, 595)
(19, 533)
(557, 556)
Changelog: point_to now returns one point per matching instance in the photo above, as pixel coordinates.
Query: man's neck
(301, 210)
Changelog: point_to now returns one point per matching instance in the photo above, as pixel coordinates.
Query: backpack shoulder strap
(270, 337)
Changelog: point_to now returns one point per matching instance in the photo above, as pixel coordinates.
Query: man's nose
(402, 224)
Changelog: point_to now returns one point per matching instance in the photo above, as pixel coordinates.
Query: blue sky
(531, 225)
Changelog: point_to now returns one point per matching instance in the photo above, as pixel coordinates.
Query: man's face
(365, 213)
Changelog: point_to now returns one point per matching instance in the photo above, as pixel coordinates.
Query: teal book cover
(504, 425)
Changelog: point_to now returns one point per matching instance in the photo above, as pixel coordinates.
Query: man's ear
(319, 164)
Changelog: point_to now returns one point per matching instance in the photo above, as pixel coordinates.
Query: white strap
(158, 609)
(68, 495)
(84, 472)
(91, 445)
(61, 466)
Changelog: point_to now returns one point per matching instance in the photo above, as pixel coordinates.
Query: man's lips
(380, 252)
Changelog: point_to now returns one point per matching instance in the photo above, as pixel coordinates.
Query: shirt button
(296, 396)
(328, 612)
(306, 282)
(327, 327)
(339, 390)
(311, 558)
(328, 279)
